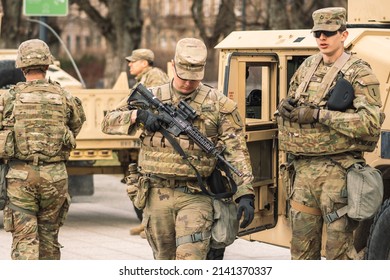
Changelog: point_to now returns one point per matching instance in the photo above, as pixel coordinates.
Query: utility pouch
(3, 185)
(217, 182)
(287, 173)
(365, 191)
(64, 210)
(221, 183)
(7, 146)
(8, 220)
(132, 181)
(225, 226)
(341, 96)
(142, 192)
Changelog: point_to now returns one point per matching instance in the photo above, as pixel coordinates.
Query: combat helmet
(33, 52)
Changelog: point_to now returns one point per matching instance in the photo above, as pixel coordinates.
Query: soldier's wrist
(133, 116)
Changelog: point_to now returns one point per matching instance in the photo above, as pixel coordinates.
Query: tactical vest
(157, 156)
(40, 129)
(318, 139)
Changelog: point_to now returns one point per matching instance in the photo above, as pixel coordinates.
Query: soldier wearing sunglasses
(323, 137)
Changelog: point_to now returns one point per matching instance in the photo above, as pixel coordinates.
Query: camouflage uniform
(150, 77)
(45, 120)
(178, 216)
(322, 150)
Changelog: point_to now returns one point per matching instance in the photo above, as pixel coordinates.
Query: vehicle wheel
(79, 185)
(378, 245)
(9, 75)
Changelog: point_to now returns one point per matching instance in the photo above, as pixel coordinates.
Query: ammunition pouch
(141, 194)
(132, 182)
(3, 185)
(287, 174)
(7, 144)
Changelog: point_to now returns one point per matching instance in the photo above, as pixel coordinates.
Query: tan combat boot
(143, 234)
(137, 230)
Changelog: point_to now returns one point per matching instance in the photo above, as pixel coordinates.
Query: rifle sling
(179, 149)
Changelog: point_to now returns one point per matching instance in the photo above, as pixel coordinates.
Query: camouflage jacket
(151, 77)
(219, 121)
(356, 129)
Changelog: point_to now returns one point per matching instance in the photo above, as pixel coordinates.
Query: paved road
(97, 228)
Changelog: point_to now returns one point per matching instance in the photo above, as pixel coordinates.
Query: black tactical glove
(305, 115)
(149, 120)
(245, 206)
(286, 106)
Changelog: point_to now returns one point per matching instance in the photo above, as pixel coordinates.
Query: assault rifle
(177, 121)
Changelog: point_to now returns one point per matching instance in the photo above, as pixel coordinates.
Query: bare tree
(16, 28)
(286, 14)
(299, 11)
(122, 28)
(225, 23)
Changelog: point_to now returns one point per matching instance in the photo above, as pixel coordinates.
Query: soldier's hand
(305, 115)
(149, 120)
(246, 208)
(286, 106)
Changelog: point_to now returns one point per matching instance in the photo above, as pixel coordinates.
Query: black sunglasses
(317, 34)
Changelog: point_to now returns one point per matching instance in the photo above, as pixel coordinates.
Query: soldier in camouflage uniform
(323, 142)
(141, 66)
(43, 120)
(177, 215)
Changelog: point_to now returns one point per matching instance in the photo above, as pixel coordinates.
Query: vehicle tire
(80, 185)
(9, 75)
(215, 254)
(378, 245)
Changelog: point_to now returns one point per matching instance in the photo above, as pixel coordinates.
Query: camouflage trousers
(178, 224)
(39, 202)
(318, 184)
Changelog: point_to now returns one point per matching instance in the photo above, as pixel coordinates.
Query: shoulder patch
(227, 105)
(369, 86)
